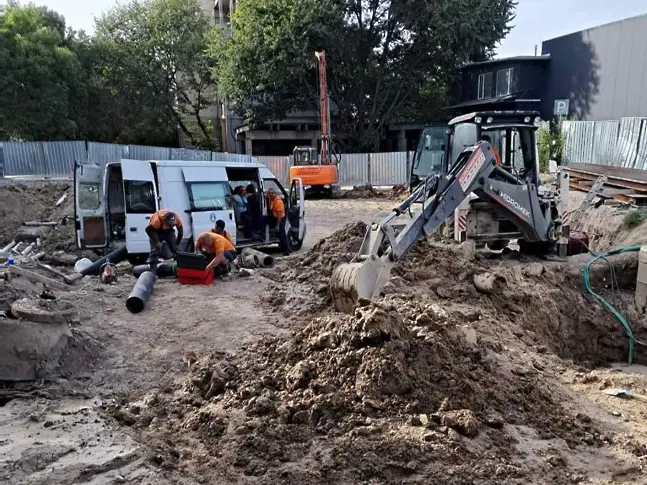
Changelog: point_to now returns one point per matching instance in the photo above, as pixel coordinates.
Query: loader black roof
(499, 117)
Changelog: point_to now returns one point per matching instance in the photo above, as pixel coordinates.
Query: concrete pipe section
(255, 259)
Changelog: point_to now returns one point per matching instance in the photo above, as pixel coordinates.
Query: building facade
(595, 74)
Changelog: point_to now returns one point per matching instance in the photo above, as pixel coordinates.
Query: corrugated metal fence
(56, 159)
(620, 143)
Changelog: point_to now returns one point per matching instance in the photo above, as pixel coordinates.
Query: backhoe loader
(501, 193)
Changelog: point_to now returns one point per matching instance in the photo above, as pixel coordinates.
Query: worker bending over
(218, 251)
(276, 218)
(220, 229)
(161, 234)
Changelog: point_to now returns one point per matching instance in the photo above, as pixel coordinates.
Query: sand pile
(303, 285)
(395, 390)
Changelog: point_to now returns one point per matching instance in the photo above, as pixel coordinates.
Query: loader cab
(511, 134)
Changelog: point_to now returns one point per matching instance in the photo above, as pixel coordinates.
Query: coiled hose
(605, 303)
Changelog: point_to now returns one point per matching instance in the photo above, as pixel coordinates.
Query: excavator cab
(304, 156)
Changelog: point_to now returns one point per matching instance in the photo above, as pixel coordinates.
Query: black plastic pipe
(114, 257)
(164, 270)
(141, 292)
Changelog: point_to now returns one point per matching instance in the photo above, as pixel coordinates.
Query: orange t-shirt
(213, 243)
(227, 235)
(158, 220)
(277, 208)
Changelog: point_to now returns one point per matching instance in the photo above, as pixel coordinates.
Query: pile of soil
(303, 285)
(36, 201)
(399, 192)
(394, 391)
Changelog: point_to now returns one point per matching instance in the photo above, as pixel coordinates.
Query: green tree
(37, 72)
(388, 60)
(155, 62)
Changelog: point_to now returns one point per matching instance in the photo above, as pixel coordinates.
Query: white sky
(537, 20)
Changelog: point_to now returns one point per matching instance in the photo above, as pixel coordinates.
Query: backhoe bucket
(352, 281)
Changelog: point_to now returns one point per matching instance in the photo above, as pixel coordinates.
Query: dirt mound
(363, 192)
(397, 381)
(399, 192)
(303, 284)
(36, 201)
(544, 303)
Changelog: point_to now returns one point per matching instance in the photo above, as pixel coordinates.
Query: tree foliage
(37, 75)
(155, 59)
(388, 60)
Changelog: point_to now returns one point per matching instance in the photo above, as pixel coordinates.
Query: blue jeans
(230, 255)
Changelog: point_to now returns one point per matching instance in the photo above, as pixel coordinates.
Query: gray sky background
(537, 20)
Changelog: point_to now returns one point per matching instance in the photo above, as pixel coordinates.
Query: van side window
(140, 197)
(89, 196)
(209, 196)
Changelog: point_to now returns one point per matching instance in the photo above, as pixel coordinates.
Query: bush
(635, 218)
(549, 145)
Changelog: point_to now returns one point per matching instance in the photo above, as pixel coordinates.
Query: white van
(114, 203)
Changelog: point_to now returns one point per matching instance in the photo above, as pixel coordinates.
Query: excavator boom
(474, 171)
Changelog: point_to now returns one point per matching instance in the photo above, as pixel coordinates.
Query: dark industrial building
(595, 74)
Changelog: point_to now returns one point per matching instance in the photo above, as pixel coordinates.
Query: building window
(485, 85)
(504, 82)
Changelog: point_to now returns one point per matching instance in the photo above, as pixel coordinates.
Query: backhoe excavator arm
(474, 171)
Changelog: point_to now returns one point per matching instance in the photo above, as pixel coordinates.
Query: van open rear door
(209, 198)
(141, 203)
(297, 197)
(89, 206)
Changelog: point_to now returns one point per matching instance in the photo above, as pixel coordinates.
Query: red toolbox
(188, 276)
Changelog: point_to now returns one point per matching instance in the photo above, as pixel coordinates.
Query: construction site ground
(258, 380)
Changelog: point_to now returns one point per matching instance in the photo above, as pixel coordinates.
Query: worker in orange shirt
(218, 251)
(495, 150)
(161, 233)
(220, 229)
(276, 218)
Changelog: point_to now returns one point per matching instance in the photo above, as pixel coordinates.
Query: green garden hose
(605, 303)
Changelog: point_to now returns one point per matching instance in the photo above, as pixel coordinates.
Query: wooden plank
(30, 275)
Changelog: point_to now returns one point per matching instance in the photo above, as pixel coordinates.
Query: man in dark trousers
(161, 234)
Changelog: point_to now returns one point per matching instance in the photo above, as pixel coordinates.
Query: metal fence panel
(641, 156)
(353, 170)
(605, 134)
(189, 154)
(1, 161)
(61, 155)
(231, 157)
(280, 167)
(102, 153)
(24, 158)
(388, 168)
(628, 138)
(578, 146)
(141, 152)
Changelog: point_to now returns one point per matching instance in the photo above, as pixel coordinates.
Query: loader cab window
(428, 158)
(516, 147)
(460, 137)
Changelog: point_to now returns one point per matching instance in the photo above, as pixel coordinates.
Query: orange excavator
(318, 171)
